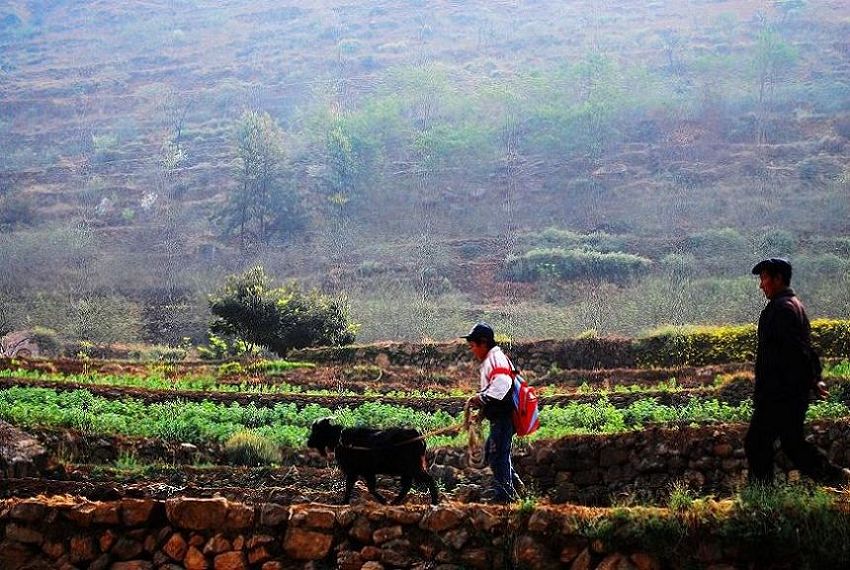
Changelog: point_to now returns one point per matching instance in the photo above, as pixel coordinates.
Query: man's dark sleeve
(794, 330)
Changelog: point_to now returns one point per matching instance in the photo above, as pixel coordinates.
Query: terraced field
(655, 445)
(122, 428)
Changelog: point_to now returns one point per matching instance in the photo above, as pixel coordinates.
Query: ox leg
(406, 483)
(372, 485)
(349, 486)
(426, 478)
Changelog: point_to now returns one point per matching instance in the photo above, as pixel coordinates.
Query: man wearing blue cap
(495, 399)
(787, 370)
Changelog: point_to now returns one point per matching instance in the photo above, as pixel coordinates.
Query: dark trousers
(498, 454)
(784, 420)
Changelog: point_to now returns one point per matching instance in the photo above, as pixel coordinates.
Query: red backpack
(525, 417)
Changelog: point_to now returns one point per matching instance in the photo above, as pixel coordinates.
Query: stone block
(387, 533)
(273, 515)
(176, 547)
(23, 534)
(195, 560)
(82, 548)
(136, 512)
(302, 544)
(440, 519)
(197, 514)
(230, 561)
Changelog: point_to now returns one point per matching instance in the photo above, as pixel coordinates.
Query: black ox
(364, 452)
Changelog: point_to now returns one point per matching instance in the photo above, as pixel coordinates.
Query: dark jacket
(787, 367)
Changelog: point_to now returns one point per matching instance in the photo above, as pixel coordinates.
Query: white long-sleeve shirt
(498, 386)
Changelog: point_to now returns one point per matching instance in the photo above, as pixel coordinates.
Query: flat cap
(773, 265)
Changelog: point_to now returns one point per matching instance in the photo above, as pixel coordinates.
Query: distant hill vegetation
(555, 167)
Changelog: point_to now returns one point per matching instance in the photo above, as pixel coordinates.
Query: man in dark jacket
(787, 370)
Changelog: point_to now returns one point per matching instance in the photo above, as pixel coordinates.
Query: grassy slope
(89, 92)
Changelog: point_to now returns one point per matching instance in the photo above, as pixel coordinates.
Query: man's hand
(474, 402)
(820, 391)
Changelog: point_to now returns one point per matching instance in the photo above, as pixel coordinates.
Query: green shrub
(370, 267)
(224, 347)
(604, 242)
(251, 449)
(681, 498)
(47, 340)
(280, 319)
(831, 337)
(555, 237)
(795, 523)
(826, 264)
(717, 242)
(575, 264)
(566, 239)
(106, 147)
(16, 209)
(777, 243)
(818, 168)
(679, 264)
(698, 346)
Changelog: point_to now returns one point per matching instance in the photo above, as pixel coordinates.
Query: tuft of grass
(798, 522)
(681, 498)
(251, 449)
(530, 498)
(128, 461)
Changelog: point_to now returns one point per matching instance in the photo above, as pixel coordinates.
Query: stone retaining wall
(62, 533)
(646, 464)
(639, 466)
(596, 469)
(539, 356)
(699, 346)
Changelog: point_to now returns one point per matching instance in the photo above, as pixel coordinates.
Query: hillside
(433, 146)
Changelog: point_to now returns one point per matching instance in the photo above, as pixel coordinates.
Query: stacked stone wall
(699, 346)
(643, 465)
(538, 356)
(63, 533)
(591, 469)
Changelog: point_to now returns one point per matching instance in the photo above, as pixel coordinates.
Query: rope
(475, 456)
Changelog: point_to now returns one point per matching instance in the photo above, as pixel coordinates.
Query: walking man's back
(787, 370)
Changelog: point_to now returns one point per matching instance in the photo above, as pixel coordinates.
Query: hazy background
(555, 167)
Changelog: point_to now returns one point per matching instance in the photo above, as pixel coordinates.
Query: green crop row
(207, 384)
(288, 424)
